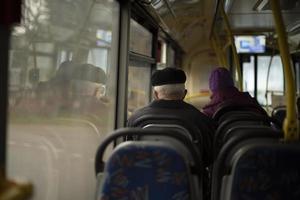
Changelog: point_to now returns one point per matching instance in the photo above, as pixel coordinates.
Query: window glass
(138, 85)
(171, 57)
(272, 83)
(248, 76)
(140, 39)
(162, 55)
(62, 94)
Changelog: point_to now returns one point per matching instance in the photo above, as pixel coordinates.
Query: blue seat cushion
(267, 173)
(150, 172)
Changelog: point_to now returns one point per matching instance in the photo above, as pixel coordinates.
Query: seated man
(169, 92)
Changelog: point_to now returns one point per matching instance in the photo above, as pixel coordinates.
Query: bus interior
(73, 72)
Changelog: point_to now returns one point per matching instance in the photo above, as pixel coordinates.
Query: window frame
(256, 55)
(141, 16)
(4, 62)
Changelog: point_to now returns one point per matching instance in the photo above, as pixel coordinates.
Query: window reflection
(139, 67)
(171, 57)
(63, 61)
(140, 39)
(138, 85)
(161, 54)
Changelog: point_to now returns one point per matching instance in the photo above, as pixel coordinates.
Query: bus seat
(265, 170)
(148, 169)
(168, 119)
(238, 120)
(279, 114)
(200, 137)
(244, 128)
(167, 139)
(229, 106)
(176, 127)
(239, 128)
(180, 147)
(221, 167)
(238, 113)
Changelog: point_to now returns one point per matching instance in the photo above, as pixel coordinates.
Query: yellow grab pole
(213, 41)
(218, 50)
(290, 126)
(233, 47)
(228, 44)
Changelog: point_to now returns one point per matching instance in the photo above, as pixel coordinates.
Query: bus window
(140, 39)
(139, 72)
(248, 76)
(62, 94)
(161, 54)
(138, 85)
(272, 83)
(99, 57)
(170, 56)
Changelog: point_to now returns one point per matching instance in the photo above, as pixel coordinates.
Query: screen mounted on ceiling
(250, 44)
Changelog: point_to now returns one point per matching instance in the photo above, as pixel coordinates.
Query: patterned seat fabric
(268, 174)
(152, 172)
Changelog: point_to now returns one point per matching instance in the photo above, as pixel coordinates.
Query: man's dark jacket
(184, 111)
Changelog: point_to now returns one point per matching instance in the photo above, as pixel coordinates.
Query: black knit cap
(168, 75)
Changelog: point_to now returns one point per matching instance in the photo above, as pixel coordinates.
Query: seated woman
(223, 90)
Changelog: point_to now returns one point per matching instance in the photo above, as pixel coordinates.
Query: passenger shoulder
(190, 106)
(136, 114)
(196, 110)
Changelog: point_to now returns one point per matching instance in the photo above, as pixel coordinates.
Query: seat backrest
(167, 139)
(232, 145)
(205, 182)
(279, 114)
(168, 119)
(148, 169)
(238, 120)
(264, 170)
(200, 137)
(230, 105)
(238, 114)
(176, 127)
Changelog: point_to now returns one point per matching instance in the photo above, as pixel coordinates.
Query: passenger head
(65, 71)
(219, 79)
(169, 84)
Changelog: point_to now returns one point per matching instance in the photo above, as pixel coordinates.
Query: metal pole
(121, 111)
(4, 38)
(233, 47)
(218, 50)
(255, 75)
(290, 125)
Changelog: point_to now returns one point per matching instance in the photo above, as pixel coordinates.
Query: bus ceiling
(255, 17)
(245, 14)
(184, 19)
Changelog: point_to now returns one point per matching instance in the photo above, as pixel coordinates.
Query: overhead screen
(250, 44)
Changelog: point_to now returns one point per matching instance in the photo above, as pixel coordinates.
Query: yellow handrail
(233, 47)
(290, 126)
(216, 45)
